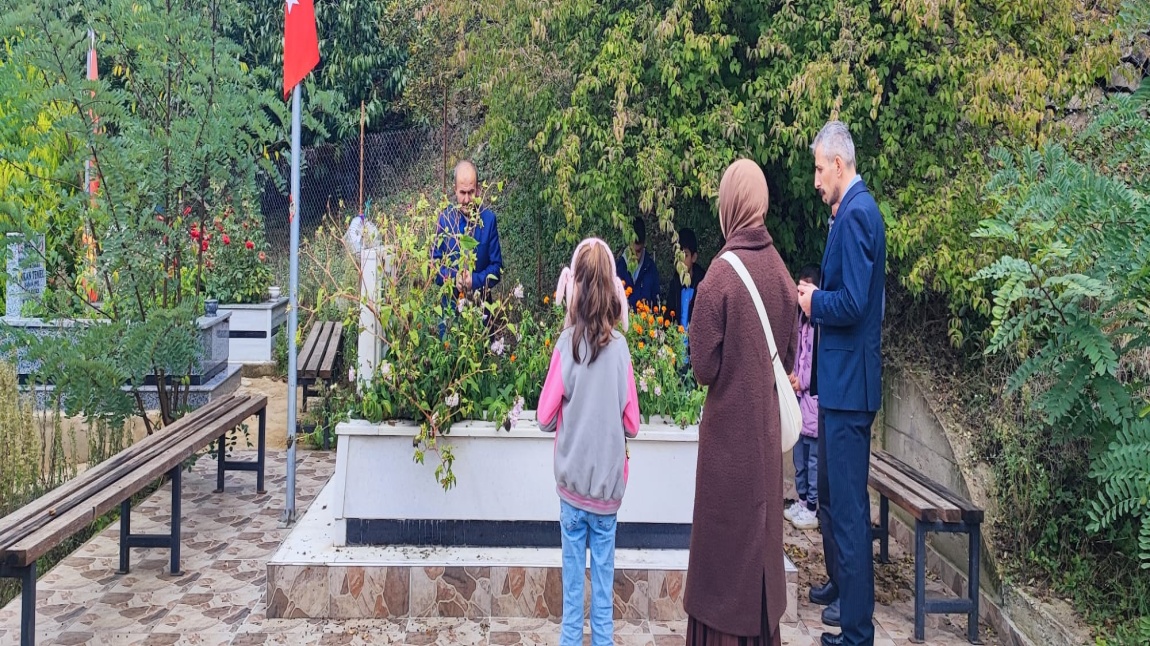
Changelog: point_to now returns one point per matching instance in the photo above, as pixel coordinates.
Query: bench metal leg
(919, 582)
(27, 576)
(171, 540)
(972, 583)
(884, 529)
(257, 465)
(261, 450)
(125, 533)
(177, 486)
(220, 464)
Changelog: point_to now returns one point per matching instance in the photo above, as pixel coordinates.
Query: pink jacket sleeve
(551, 399)
(631, 410)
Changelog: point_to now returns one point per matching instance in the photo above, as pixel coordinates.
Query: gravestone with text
(26, 275)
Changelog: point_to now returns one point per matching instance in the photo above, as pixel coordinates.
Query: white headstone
(27, 277)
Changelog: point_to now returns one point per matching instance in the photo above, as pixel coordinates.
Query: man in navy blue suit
(847, 309)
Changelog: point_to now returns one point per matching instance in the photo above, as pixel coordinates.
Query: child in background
(806, 452)
(589, 401)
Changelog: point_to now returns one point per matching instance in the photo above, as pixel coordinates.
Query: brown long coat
(737, 531)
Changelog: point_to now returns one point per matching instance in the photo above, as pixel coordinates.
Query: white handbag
(790, 415)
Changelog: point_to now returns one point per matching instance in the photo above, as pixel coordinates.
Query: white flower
(518, 291)
(351, 375)
(658, 390)
(460, 305)
(516, 411)
(497, 346)
(643, 384)
(452, 400)
(385, 370)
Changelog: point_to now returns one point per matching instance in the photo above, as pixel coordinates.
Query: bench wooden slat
(144, 471)
(308, 349)
(971, 513)
(316, 358)
(904, 481)
(908, 498)
(332, 350)
(62, 498)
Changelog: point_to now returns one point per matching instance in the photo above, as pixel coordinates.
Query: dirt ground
(276, 391)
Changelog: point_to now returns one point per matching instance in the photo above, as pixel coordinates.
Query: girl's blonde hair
(595, 299)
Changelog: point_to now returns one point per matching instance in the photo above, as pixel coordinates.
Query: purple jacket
(808, 403)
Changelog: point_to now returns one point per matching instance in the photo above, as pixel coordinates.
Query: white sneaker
(789, 512)
(805, 519)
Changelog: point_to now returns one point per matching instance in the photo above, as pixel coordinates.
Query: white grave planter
(505, 492)
(251, 338)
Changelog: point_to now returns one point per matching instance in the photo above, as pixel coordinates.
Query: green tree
(638, 107)
(1071, 300)
(175, 128)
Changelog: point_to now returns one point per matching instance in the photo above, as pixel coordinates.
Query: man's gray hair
(835, 141)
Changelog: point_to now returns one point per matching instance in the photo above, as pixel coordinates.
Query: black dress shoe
(825, 594)
(831, 640)
(831, 614)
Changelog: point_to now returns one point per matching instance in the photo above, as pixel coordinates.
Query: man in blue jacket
(468, 218)
(642, 277)
(847, 309)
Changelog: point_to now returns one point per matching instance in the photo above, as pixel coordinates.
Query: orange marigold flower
(546, 300)
(641, 345)
(681, 330)
(664, 309)
(638, 329)
(446, 345)
(672, 313)
(512, 358)
(629, 291)
(547, 343)
(662, 321)
(651, 334)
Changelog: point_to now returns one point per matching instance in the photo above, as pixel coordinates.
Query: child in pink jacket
(806, 452)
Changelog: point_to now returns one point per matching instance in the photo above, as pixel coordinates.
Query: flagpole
(289, 516)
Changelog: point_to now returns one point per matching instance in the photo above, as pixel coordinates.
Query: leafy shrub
(450, 356)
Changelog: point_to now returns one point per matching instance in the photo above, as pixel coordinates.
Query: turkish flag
(301, 44)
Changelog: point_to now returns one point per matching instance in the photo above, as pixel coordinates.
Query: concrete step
(312, 576)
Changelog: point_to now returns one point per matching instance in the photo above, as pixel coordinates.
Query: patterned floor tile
(220, 597)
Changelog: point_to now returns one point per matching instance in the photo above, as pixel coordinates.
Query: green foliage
(449, 356)
(19, 445)
(1070, 298)
(637, 108)
(175, 129)
(235, 264)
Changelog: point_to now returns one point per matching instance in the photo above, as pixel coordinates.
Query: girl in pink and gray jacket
(589, 401)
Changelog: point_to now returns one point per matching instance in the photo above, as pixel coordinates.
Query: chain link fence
(390, 168)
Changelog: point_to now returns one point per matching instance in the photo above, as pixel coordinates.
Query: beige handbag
(790, 415)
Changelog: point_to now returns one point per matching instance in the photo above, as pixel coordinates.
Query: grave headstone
(27, 277)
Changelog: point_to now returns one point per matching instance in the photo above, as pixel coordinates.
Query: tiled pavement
(219, 599)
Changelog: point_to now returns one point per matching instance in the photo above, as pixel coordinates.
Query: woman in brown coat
(736, 587)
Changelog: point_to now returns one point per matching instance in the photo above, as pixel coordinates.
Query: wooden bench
(318, 360)
(31, 531)
(935, 509)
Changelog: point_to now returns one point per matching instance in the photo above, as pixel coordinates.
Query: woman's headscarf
(743, 197)
(565, 290)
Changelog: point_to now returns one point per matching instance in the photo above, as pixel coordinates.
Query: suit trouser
(826, 523)
(848, 466)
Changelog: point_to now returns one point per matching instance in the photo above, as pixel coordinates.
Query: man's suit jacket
(848, 306)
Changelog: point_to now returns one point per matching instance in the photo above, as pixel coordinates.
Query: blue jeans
(806, 456)
(583, 529)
